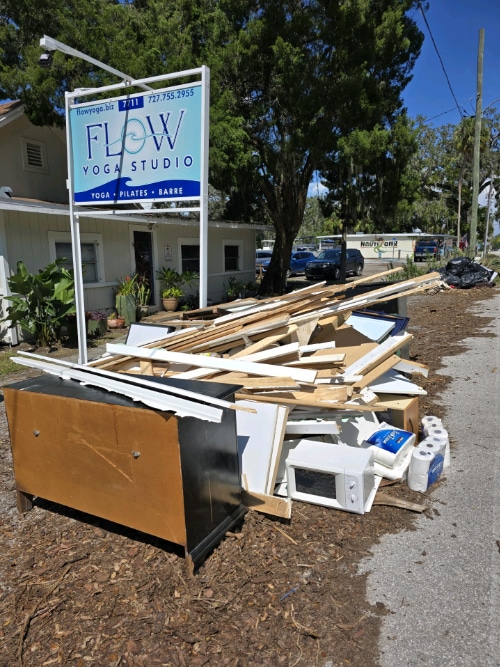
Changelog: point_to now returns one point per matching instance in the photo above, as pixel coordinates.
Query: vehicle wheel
(336, 273)
(359, 269)
(289, 273)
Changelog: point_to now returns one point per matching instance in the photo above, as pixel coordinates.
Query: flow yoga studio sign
(138, 148)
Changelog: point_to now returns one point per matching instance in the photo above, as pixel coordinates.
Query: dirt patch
(76, 590)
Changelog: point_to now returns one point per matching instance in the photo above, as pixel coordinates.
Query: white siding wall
(47, 185)
(25, 236)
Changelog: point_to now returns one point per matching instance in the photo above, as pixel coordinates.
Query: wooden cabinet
(400, 411)
(104, 454)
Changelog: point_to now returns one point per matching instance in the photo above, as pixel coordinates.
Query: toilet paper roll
(433, 444)
(441, 443)
(420, 461)
(418, 472)
(430, 420)
(441, 432)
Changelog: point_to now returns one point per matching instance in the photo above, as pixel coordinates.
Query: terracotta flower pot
(171, 303)
(116, 323)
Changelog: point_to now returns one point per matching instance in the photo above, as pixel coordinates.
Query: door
(143, 249)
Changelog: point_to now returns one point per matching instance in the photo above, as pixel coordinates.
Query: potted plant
(173, 282)
(125, 298)
(234, 288)
(142, 296)
(96, 323)
(115, 321)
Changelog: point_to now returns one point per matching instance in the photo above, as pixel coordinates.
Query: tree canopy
(298, 87)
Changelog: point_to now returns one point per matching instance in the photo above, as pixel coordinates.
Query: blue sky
(455, 26)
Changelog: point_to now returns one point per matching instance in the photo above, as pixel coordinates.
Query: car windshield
(328, 254)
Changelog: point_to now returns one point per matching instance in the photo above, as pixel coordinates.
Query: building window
(89, 259)
(232, 253)
(231, 258)
(34, 155)
(90, 248)
(190, 257)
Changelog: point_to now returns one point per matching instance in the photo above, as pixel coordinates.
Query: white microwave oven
(333, 475)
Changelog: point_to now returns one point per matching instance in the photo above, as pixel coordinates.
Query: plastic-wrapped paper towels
(391, 450)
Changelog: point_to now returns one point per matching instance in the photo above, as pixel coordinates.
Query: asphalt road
(441, 582)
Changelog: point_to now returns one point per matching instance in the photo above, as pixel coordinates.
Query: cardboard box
(400, 411)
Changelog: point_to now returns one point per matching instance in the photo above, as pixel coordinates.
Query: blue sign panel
(139, 148)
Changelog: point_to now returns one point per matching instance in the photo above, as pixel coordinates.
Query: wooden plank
(216, 338)
(383, 351)
(299, 374)
(256, 383)
(264, 342)
(273, 353)
(312, 360)
(374, 374)
(267, 504)
(318, 399)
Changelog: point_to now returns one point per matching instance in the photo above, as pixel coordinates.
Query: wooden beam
(300, 374)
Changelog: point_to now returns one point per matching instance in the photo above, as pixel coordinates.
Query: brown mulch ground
(76, 590)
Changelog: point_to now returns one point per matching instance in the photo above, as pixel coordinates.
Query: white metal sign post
(144, 148)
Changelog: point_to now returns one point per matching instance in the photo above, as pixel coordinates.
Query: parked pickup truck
(425, 249)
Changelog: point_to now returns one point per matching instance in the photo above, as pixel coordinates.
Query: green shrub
(41, 302)
(410, 270)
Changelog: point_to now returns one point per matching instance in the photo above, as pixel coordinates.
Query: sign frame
(199, 204)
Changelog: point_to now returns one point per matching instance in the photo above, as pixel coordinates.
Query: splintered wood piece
(146, 367)
(327, 326)
(385, 499)
(262, 502)
(304, 331)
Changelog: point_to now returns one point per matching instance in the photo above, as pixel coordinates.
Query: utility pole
(477, 145)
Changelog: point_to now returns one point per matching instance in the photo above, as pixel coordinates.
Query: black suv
(326, 266)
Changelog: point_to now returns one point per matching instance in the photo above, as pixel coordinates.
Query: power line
(443, 113)
(440, 59)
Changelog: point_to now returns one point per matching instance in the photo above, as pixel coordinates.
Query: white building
(35, 227)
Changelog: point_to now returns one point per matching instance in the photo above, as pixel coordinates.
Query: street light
(50, 44)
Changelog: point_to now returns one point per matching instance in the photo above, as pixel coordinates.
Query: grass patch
(7, 366)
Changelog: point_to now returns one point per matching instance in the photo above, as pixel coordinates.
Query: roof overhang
(10, 111)
(28, 206)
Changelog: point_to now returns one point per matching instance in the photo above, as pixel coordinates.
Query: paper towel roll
(434, 432)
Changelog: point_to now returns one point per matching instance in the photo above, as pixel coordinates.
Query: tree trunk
(285, 204)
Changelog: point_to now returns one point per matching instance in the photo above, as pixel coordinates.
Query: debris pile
(311, 368)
